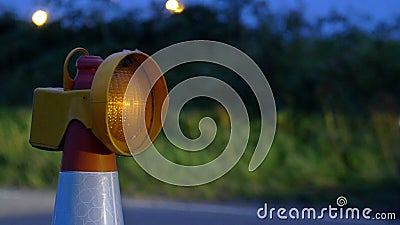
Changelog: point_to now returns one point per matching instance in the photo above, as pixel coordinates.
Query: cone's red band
(82, 151)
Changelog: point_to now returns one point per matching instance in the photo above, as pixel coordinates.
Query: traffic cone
(84, 121)
(88, 187)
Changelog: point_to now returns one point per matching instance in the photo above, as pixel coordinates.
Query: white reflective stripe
(88, 198)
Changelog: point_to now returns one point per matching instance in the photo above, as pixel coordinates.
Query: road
(25, 207)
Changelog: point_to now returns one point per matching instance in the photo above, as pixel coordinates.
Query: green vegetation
(20, 165)
(313, 158)
(349, 71)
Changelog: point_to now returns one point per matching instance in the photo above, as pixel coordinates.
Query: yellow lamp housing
(106, 106)
(53, 110)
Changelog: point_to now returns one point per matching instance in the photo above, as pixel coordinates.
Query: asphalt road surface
(25, 207)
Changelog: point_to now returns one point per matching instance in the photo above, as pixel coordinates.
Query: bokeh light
(39, 18)
(174, 6)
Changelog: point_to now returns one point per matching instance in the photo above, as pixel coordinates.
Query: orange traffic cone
(85, 122)
(88, 187)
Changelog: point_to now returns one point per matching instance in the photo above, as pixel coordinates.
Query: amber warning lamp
(96, 99)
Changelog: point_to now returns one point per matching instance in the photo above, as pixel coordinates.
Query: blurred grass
(313, 158)
(20, 165)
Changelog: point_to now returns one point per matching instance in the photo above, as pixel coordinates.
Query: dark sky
(363, 12)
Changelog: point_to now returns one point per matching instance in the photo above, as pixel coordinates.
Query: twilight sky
(357, 10)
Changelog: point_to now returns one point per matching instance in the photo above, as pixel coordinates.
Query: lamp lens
(134, 104)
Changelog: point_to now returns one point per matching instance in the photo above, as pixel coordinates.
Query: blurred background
(333, 67)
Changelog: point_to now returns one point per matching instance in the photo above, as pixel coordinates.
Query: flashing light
(105, 106)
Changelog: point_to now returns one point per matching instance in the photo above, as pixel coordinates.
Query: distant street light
(39, 18)
(174, 6)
